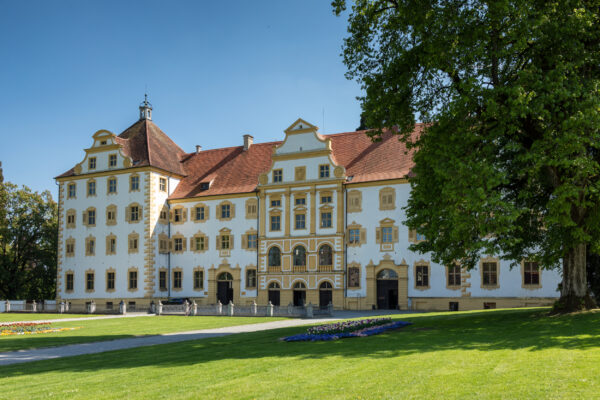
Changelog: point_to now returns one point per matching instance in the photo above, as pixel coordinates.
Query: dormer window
(92, 163)
(103, 143)
(204, 185)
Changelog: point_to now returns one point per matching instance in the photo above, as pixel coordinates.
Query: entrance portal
(325, 294)
(274, 293)
(225, 288)
(299, 294)
(387, 289)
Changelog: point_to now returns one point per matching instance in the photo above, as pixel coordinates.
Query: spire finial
(146, 108)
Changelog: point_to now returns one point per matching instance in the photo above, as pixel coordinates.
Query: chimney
(248, 140)
(198, 148)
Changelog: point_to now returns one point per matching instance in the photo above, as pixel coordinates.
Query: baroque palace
(314, 218)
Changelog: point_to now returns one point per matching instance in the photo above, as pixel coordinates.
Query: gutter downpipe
(257, 239)
(345, 244)
(169, 236)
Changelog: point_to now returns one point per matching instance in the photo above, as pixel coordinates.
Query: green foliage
(28, 243)
(509, 90)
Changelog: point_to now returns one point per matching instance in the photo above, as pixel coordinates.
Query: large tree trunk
(574, 295)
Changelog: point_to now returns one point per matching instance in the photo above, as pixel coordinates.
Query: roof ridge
(233, 147)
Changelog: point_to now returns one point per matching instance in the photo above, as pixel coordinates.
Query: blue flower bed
(370, 331)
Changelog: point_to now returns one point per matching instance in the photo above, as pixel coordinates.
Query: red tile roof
(233, 170)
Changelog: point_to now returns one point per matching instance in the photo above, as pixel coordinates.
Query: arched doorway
(387, 289)
(325, 294)
(225, 287)
(299, 294)
(274, 293)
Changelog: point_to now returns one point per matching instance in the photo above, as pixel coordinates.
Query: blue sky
(214, 70)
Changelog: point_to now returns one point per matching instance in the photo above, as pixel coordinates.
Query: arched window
(225, 276)
(299, 256)
(274, 285)
(325, 255)
(325, 286)
(274, 257)
(299, 285)
(387, 274)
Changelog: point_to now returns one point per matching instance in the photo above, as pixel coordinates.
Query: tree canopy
(28, 243)
(509, 90)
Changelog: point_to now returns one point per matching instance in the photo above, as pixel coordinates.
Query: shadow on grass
(529, 330)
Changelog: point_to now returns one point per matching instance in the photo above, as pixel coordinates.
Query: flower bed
(361, 328)
(29, 328)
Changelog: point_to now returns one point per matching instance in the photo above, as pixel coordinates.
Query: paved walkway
(48, 353)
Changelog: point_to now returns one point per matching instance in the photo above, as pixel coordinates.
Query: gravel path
(48, 353)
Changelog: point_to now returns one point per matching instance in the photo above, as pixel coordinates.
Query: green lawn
(8, 317)
(496, 354)
(119, 328)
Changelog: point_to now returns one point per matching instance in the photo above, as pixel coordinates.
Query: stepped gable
(232, 170)
(147, 145)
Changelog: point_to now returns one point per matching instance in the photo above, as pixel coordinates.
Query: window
(91, 217)
(422, 276)
(134, 213)
(162, 280)
(325, 255)
(490, 274)
(277, 175)
(251, 208)
(489, 306)
(276, 203)
(326, 219)
(134, 183)
(70, 247)
(300, 201)
(162, 184)
(387, 199)
(300, 173)
(92, 163)
(252, 241)
(91, 188)
(111, 215)
(90, 246)
(274, 257)
(89, 281)
(110, 281)
(71, 190)
(354, 201)
(225, 242)
(199, 243)
(275, 222)
(326, 199)
(354, 236)
(198, 279)
(133, 242)
(177, 279)
(178, 244)
(178, 215)
(299, 255)
(300, 221)
(112, 185)
(420, 237)
(71, 218)
(69, 283)
(163, 243)
(323, 171)
(162, 216)
(225, 211)
(531, 273)
(453, 306)
(133, 280)
(386, 234)
(251, 278)
(454, 275)
(111, 245)
(353, 277)
(112, 160)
